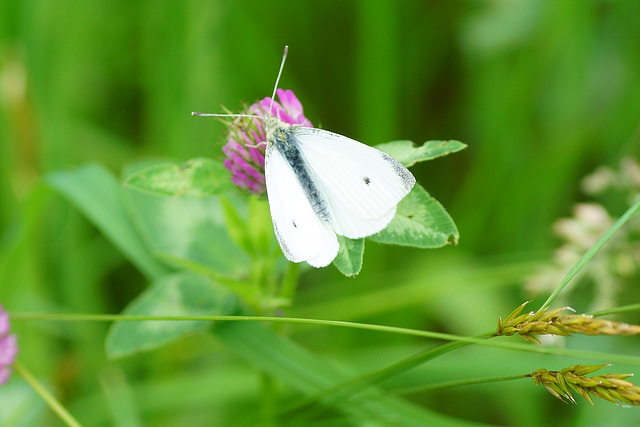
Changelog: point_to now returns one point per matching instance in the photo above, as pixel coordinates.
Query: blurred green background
(543, 92)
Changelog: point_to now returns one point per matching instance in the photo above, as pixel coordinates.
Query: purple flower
(8, 347)
(246, 140)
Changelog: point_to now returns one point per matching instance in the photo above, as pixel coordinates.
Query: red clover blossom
(246, 140)
(8, 347)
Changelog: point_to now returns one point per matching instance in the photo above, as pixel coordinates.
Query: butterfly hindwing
(362, 186)
(302, 235)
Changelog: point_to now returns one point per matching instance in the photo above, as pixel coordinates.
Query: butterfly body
(282, 139)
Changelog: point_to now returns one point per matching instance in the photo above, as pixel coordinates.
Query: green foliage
(182, 229)
(408, 154)
(543, 92)
(21, 404)
(181, 294)
(350, 256)
(420, 222)
(94, 191)
(194, 178)
(303, 371)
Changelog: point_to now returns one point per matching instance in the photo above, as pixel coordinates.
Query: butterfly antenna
(275, 88)
(196, 113)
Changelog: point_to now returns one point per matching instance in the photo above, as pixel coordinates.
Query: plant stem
(459, 383)
(616, 310)
(617, 358)
(267, 399)
(290, 281)
(46, 396)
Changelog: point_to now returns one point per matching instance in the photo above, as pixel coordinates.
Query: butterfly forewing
(302, 235)
(361, 185)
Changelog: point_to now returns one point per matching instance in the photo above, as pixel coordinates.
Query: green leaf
(194, 178)
(193, 230)
(420, 222)
(180, 294)
(349, 258)
(21, 405)
(96, 193)
(408, 154)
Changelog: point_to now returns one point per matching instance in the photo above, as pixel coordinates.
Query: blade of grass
(53, 403)
(588, 255)
(309, 374)
(96, 193)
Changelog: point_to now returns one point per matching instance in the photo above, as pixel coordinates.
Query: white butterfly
(320, 184)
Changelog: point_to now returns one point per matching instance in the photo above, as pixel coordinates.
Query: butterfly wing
(362, 186)
(302, 235)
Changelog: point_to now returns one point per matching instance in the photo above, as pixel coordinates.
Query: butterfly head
(252, 130)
